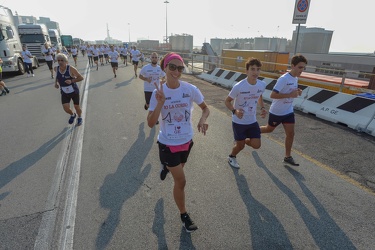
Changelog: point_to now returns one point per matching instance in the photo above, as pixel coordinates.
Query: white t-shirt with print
(284, 85)
(151, 71)
(176, 115)
(47, 54)
(135, 55)
(246, 97)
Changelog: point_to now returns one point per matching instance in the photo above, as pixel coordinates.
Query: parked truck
(55, 38)
(34, 36)
(10, 44)
(67, 41)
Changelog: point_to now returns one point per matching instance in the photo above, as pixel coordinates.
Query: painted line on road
(328, 168)
(44, 237)
(69, 217)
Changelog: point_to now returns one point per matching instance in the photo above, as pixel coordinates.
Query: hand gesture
(160, 97)
(202, 127)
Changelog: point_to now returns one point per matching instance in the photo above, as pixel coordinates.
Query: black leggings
(29, 68)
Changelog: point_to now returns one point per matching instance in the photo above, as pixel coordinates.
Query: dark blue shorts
(243, 131)
(275, 120)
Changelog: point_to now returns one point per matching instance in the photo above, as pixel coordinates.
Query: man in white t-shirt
(48, 56)
(151, 74)
(281, 110)
(136, 54)
(26, 55)
(246, 95)
(113, 56)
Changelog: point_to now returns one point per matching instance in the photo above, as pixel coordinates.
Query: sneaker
(79, 121)
(33, 75)
(290, 161)
(233, 162)
(145, 107)
(71, 119)
(115, 75)
(188, 223)
(163, 172)
(7, 90)
(28, 75)
(3, 93)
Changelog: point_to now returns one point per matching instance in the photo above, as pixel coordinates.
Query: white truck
(34, 36)
(10, 44)
(55, 38)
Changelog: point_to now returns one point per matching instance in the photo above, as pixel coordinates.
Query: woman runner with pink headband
(172, 104)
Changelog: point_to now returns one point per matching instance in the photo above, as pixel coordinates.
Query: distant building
(311, 40)
(148, 44)
(181, 43)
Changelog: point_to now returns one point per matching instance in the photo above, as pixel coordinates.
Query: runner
(172, 103)
(3, 88)
(124, 55)
(246, 95)
(151, 74)
(136, 54)
(95, 53)
(48, 56)
(26, 55)
(113, 55)
(89, 55)
(101, 55)
(66, 79)
(107, 49)
(74, 52)
(281, 110)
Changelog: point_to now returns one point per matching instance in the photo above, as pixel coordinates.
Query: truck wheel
(21, 68)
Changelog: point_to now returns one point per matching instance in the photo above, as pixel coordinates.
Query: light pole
(166, 21)
(129, 32)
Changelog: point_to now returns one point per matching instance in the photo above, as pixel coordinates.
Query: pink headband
(170, 57)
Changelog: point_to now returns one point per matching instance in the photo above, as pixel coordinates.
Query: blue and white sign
(301, 11)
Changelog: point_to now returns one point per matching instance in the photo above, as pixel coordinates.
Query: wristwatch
(233, 111)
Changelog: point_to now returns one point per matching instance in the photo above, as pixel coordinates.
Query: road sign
(301, 11)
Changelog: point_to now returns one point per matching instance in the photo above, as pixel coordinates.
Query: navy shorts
(135, 62)
(243, 131)
(173, 159)
(114, 64)
(275, 120)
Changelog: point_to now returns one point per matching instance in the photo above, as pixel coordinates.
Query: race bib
(68, 89)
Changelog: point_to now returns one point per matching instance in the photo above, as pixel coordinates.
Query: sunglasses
(173, 67)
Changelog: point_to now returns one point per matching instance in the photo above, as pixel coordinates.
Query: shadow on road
(18, 167)
(158, 225)
(266, 230)
(123, 184)
(324, 230)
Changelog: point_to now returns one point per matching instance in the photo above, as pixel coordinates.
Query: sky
(351, 22)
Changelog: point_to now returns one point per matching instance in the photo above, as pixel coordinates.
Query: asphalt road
(97, 187)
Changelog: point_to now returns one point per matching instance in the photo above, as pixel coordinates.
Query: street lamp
(129, 32)
(166, 21)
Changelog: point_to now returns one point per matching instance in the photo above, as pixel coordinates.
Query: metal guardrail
(198, 63)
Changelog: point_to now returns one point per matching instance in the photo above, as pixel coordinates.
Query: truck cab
(34, 36)
(55, 38)
(10, 44)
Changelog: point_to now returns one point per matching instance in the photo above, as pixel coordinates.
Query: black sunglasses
(173, 67)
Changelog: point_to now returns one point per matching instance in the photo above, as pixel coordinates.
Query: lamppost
(166, 21)
(129, 32)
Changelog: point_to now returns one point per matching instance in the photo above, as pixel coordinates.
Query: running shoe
(115, 75)
(188, 223)
(71, 119)
(145, 107)
(7, 90)
(3, 93)
(163, 172)
(233, 162)
(290, 161)
(79, 121)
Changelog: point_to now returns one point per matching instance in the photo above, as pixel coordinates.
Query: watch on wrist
(233, 111)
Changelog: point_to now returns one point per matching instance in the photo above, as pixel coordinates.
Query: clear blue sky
(206, 19)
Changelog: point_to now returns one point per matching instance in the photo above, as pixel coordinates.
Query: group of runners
(170, 101)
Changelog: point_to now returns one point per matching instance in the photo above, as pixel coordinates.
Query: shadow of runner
(266, 230)
(18, 167)
(158, 225)
(123, 184)
(324, 230)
